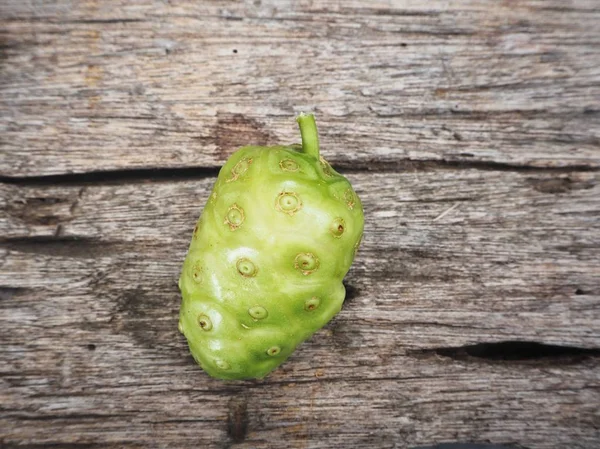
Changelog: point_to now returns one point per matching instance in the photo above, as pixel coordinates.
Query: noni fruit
(265, 266)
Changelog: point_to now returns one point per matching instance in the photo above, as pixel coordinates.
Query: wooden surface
(471, 131)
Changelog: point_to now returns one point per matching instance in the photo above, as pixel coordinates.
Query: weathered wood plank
(449, 257)
(481, 252)
(91, 352)
(119, 84)
(156, 399)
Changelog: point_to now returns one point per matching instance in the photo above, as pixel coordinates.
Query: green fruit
(265, 266)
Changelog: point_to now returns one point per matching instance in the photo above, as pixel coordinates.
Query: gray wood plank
(116, 85)
(77, 396)
(91, 354)
(471, 132)
(448, 257)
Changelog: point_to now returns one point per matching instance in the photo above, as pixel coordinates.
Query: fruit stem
(310, 136)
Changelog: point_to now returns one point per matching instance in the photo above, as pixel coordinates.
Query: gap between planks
(189, 173)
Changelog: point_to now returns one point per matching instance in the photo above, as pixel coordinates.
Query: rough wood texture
(471, 132)
(121, 84)
(91, 337)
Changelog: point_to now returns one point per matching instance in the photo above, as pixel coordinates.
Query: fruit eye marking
(204, 322)
(246, 268)
(222, 364)
(239, 169)
(258, 312)
(235, 217)
(312, 304)
(337, 227)
(288, 165)
(273, 350)
(307, 263)
(197, 273)
(349, 198)
(288, 203)
(326, 167)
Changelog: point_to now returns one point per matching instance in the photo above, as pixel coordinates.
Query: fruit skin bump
(268, 255)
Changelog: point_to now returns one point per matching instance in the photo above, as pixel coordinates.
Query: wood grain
(135, 84)
(90, 276)
(469, 129)
(507, 260)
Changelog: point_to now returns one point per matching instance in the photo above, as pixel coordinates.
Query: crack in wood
(422, 165)
(513, 351)
(7, 292)
(112, 177)
(63, 445)
(237, 419)
(62, 246)
(140, 175)
(471, 446)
